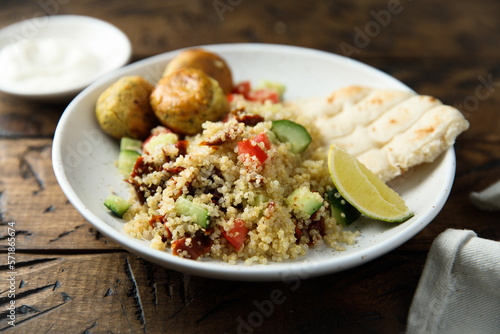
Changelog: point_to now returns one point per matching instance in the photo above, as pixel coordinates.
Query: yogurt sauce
(46, 65)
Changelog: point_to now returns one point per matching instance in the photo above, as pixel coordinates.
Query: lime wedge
(363, 189)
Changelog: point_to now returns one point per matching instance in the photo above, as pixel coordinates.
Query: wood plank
(121, 293)
(31, 197)
(374, 27)
(17, 118)
(62, 294)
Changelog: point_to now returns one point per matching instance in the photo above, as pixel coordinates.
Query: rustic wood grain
(119, 292)
(71, 279)
(31, 197)
(414, 28)
(19, 118)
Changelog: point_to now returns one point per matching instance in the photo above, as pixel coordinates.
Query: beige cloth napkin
(488, 199)
(459, 291)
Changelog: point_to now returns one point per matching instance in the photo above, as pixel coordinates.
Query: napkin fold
(488, 199)
(459, 291)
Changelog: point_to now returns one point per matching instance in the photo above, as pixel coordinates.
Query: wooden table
(71, 279)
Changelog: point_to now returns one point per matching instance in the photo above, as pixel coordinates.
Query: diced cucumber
(293, 133)
(259, 199)
(116, 204)
(161, 140)
(305, 200)
(130, 144)
(185, 207)
(278, 87)
(342, 210)
(126, 161)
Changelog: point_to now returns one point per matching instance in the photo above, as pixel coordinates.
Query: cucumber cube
(126, 161)
(342, 210)
(117, 205)
(130, 144)
(305, 200)
(185, 207)
(259, 199)
(160, 140)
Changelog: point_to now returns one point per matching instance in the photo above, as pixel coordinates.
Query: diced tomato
(264, 94)
(245, 147)
(271, 207)
(243, 88)
(248, 119)
(155, 219)
(160, 219)
(258, 95)
(298, 231)
(319, 226)
(182, 146)
(237, 234)
(168, 235)
(262, 138)
(198, 246)
(141, 167)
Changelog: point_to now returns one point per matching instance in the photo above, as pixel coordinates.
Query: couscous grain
(241, 211)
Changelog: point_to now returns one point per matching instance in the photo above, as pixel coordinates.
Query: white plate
(83, 160)
(108, 46)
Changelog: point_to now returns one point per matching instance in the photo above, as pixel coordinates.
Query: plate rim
(237, 272)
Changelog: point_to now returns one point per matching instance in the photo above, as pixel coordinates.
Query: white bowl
(83, 161)
(107, 47)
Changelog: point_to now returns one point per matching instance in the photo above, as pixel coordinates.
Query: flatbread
(388, 130)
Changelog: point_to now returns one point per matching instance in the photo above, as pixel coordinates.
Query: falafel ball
(210, 63)
(123, 109)
(183, 100)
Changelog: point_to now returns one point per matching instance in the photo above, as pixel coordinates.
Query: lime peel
(363, 189)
